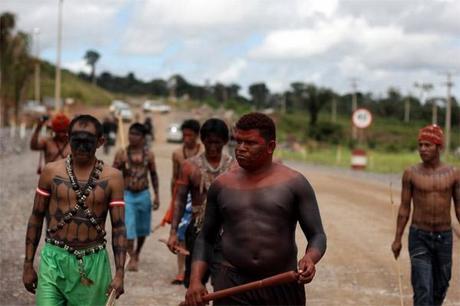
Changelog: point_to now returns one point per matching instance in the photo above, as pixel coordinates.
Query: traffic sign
(361, 118)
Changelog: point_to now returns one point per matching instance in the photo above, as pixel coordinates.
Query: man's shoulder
(110, 172)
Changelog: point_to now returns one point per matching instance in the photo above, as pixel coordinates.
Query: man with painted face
(136, 162)
(430, 186)
(55, 147)
(196, 176)
(75, 195)
(258, 204)
(190, 147)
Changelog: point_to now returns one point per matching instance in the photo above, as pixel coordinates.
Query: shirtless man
(196, 176)
(75, 195)
(258, 205)
(190, 133)
(136, 162)
(55, 147)
(430, 186)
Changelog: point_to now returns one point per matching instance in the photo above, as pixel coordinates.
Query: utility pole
(449, 84)
(354, 106)
(57, 88)
(37, 63)
(407, 108)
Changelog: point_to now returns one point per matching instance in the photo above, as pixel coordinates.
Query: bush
(326, 131)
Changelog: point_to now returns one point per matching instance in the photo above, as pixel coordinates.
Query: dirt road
(357, 269)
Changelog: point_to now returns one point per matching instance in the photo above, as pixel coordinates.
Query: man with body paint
(258, 203)
(136, 163)
(75, 195)
(56, 147)
(196, 176)
(430, 186)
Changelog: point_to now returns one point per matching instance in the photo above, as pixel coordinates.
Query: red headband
(431, 133)
(60, 123)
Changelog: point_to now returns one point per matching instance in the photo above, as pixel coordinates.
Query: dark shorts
(431, 265)
(291, 294)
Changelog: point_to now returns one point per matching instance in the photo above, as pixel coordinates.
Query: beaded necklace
(82, 193)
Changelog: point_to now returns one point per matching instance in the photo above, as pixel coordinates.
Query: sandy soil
(358, 268)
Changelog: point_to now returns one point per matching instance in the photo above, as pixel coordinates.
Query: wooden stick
(179, 249)
(398, 266)
(283, 278)
(111, 299)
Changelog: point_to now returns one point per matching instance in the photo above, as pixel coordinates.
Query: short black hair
(191, 124)
(84, 120)
(258, 121)
(138, 127)
(216, 127)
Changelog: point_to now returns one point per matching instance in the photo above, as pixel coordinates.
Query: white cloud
(77, 66)
(233, 72)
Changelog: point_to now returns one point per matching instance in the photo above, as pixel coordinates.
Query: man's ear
(271, 146)
(101, 141)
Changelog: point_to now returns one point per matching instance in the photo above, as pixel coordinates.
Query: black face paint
(83, 142)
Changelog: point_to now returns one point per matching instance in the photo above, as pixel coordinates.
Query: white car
(126, 114)
(118, 105)
(155, 107)
(34, 107)
(174, 133)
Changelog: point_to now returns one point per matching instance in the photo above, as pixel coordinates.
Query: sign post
(362, 119)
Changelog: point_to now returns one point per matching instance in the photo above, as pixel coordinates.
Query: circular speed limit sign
(362, 118)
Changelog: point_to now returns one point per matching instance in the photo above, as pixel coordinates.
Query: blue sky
(328, 42)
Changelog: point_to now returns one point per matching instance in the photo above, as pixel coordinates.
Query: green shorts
(59, 278)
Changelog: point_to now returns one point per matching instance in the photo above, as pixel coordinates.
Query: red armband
(42, 192)
(117, 203)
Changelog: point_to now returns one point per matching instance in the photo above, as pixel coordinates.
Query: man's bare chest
(442, 181)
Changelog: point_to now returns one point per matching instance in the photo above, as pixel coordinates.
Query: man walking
(136, 162)
(55, 147)
(257, 205)
(76, 194)
(197, 175)
(430, 186)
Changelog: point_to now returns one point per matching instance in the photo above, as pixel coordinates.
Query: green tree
(91, 57)
(312, 98)
(259, 93)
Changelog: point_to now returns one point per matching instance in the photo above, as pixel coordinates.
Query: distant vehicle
(126, 114)
(118, 105)
(155, 107)
(174, 133)
(34, 107)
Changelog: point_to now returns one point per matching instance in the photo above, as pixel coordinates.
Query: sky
(328, 42)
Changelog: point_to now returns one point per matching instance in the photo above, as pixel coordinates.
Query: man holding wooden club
(430, 186)
(257, 205)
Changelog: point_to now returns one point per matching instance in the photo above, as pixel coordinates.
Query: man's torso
(55, 150)
(432, 192)
(135, 169)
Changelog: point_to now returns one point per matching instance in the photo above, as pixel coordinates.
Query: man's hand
(156, 203)
(29, 278)
(195, 293)
(172, 243)
(117, 285)
(396, 248)
(307, 270)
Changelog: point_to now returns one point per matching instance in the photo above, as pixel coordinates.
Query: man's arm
(154, 179)
(456, 194)
(175, 171)
(403, 213)
(119, 160)
(204, 246)
(183, 186)
(117, 216)
(312, 227)
(34, 228)
(37, 144)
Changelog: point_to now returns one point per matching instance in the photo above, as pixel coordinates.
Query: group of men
(236, 218)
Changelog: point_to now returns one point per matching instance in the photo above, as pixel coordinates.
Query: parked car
(126, 114)
(118, 105)
(34, 108)
(155, 107)
(174, 133)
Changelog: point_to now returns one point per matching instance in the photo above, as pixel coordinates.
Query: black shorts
(285, 294)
